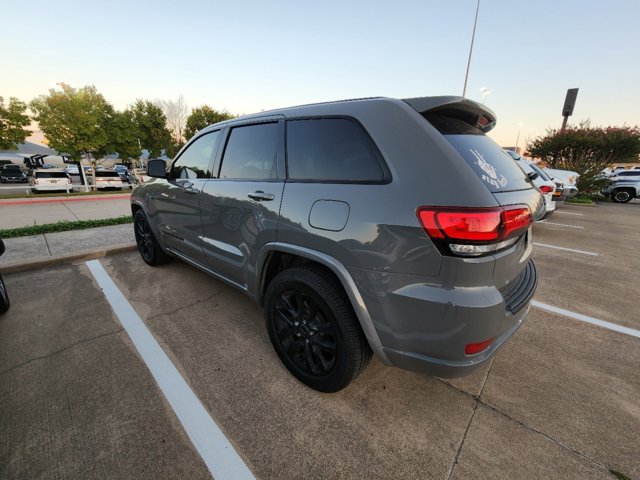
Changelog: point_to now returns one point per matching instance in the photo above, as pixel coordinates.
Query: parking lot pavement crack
(182, 307)
(51, 354)
(475, 407)
(479, 401)
(584, 457)
(64, 204)
(464, 437)
(44, 235)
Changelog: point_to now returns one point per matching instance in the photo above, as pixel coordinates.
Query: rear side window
(251, 153)
(331, 149)
(51, 175)
(498, 171)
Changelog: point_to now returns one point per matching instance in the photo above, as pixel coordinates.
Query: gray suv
(385, 226)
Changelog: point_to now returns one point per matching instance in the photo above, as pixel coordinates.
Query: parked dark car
(12, 174)
(384, 225)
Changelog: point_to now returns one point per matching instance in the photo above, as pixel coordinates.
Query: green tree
(13, 121)
(124, 137)
(202, 117)
(588, 150)
(76, 122)
(151, 127)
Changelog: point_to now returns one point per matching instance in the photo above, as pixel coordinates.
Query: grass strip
(580, 200)
(63, 226)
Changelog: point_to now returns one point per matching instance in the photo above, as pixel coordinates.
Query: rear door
(240, 206)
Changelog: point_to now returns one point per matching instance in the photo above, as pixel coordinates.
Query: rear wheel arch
(276, 258)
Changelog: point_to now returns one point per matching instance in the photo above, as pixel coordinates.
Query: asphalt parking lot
(560, 400)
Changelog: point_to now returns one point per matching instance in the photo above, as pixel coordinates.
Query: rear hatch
(52, 179)
(108, 179)
(464, 124)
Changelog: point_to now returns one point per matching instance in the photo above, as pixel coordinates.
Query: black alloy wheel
(304, 333)
(4, 297)
(621, 196)
(148, 246)
(313, 328)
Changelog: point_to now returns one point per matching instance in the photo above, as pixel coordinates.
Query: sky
(246, 56)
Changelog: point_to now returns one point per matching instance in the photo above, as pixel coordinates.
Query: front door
(177, 203)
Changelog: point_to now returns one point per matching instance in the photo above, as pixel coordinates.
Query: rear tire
(622, 195)
(4, 297)
(314, 330)
(148, 247)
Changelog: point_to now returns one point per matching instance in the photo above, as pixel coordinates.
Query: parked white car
(568, 178)
(50, 179)
(545, 185)
(108, 179)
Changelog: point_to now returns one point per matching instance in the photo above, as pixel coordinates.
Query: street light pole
(518, 137)
(473, 36)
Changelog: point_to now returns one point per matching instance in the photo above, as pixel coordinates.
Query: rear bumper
(49, 188)
(425, 327)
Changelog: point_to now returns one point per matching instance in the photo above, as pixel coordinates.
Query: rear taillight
(475, 348)
(475, 231)
(546, 189)
(36, 181)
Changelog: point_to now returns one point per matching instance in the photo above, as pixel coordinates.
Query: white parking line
(218, 454)
(559, 224)
(546, 245)
(586, 318)
(570, 213)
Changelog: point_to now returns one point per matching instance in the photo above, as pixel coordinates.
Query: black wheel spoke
(326, 344)
(311, 360)
(326, 364)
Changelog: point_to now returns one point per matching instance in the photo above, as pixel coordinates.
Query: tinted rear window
(107, 174)
(51, 175)
(331, 149)
(498, 171)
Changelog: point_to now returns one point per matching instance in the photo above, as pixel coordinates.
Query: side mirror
(532, 175)
(1, 247)
(157, 169)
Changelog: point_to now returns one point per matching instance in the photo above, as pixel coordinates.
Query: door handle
(261, 196)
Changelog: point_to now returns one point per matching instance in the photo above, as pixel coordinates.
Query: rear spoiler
(471, 112)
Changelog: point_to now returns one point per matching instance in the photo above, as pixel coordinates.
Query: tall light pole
(473, 36)
(485, 91)
(518, 137)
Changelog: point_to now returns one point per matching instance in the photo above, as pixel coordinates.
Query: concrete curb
(44, 262)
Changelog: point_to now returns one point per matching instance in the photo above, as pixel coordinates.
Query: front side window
(331, 149)
(195, 161)
(251, 153)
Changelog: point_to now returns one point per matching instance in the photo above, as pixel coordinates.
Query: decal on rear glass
(490, 175)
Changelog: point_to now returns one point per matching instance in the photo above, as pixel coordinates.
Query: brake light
(475, 348)
(546, 189)
(475, 231)
(36, 181)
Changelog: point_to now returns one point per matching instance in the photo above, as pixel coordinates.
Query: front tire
(314, 330)
(623, 195)
(149, 248)
(4, 297)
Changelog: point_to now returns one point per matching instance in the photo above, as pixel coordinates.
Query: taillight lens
(475, 231)
(475, 348)
(546, 189)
